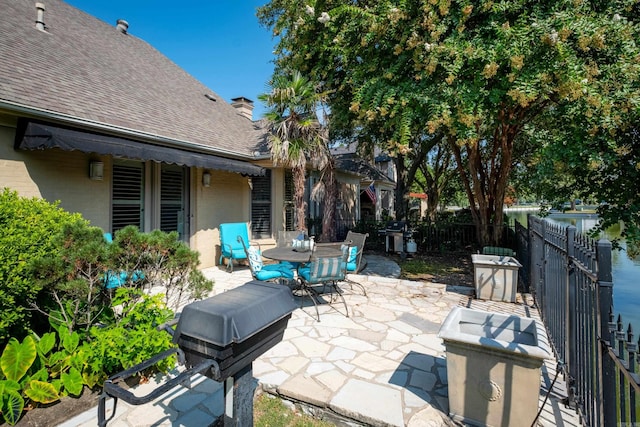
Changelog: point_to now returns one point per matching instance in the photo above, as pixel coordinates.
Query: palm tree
(296, 135)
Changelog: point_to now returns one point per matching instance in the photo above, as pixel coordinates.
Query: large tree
(296, 135)
(480, 72)
(437, 176)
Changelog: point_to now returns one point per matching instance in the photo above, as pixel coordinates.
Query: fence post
(572, 304)
(541, 286)
(605, 296)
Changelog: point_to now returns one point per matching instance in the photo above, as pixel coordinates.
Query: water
(626, 270)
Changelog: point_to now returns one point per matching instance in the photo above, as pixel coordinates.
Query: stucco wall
(55, 175)
(226, 200)
(64, 175)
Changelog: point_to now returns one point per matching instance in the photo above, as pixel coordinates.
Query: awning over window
(39, 136)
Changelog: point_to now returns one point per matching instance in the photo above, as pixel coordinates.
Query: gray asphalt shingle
(89, 70)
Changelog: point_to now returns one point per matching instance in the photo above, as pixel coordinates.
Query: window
(172, 204)
(261, 206)
(150, 196)
(127, 206)
(289, 210)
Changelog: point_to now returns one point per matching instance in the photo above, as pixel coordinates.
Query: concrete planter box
(493, 367)
(495, 277)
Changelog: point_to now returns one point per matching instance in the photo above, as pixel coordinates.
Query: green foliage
(271, 412)
(131, 340)
(296, 134)
(492, 77)
(28, 228)
(73, 279)
(159, 259)
(38, 371)
(57, 263)
(17, 358)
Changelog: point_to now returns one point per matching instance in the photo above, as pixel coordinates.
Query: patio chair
(355, 261)
(279, 273)
(230, 246)
(325, 271)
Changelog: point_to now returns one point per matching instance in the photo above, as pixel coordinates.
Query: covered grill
(396, 233)
(219, 337)
(235, 327)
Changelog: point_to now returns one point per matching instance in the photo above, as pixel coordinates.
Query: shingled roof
(84, 71)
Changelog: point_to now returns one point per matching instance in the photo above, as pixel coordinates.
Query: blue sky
(219, 42)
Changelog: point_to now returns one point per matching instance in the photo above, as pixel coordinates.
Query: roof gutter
(131, 133)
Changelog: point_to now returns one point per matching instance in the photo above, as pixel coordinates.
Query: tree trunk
(433, 198)
(402, 203)
(299, 179)
(330, 196)
(485, 178)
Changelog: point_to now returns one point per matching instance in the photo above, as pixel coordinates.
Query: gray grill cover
(236, 315)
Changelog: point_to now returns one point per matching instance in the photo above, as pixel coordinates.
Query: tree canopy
(500, 80)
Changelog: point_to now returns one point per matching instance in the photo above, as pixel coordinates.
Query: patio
(382, 366)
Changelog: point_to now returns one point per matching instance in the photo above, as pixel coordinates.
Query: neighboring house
(364, 204)
(98, 119)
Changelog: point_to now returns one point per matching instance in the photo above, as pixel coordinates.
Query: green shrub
(72, 281)
(27, 231)
(163, 261)
(132, 339)
(39, 371)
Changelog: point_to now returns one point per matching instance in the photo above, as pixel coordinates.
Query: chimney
(244, 106)
(40, 16)
(122, 25)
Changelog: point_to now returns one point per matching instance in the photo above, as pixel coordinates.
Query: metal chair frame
(325, 271)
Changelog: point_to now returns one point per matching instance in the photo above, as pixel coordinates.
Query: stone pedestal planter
(495, 277)
(493, 367)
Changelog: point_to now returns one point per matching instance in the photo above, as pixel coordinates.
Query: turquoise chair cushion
(274, 271)
(229, 245)
(255, 259)
(113, 279)
(267, 272)
(352, 258)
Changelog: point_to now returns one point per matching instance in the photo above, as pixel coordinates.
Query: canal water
(626, 268)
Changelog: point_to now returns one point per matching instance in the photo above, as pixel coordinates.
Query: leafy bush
(27, 230)
(161, 260)
(39, 371)
(73, 281)
(58, 265)
(132, 339)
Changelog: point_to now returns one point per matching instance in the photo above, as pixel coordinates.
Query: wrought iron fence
(441, 236)
(570, 277)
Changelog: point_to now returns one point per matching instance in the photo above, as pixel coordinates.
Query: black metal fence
(441, 236)
(570, 277)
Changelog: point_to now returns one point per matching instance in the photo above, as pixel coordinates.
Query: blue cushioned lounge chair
(230, 246)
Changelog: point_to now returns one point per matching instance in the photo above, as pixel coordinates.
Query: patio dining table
(288, 254)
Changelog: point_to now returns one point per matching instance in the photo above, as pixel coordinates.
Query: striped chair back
(326, 269)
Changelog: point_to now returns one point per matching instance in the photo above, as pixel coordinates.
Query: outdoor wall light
(206, 179)
(96, 171)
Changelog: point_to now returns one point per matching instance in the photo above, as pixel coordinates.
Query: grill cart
(218, 337)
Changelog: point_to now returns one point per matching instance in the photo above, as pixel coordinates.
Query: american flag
(371, 192)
